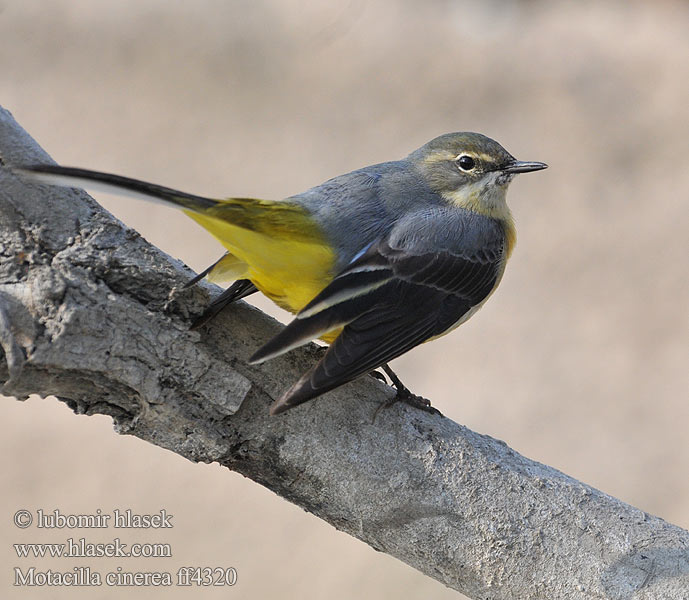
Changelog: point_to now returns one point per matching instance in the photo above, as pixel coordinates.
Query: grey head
(455, 160)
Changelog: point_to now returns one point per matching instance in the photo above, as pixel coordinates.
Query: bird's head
(470, 170)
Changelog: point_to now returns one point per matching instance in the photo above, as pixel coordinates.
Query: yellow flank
(229, 268)
(510, 234)
(275, 245)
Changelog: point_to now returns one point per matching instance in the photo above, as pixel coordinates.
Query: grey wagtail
(374, 262)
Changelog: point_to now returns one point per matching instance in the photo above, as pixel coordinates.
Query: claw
(403, 395)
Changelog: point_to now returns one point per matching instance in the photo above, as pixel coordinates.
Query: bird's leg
(379, 376)
(404, 395)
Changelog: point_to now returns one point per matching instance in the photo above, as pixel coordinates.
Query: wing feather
(398, 293)
(372, 340)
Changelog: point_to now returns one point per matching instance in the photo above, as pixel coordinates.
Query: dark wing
(389, 300)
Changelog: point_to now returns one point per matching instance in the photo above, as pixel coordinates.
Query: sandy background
(578, 361)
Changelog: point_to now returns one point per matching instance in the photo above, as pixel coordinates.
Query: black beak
(522, 166)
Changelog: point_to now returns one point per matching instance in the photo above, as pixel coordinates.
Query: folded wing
(387, 301)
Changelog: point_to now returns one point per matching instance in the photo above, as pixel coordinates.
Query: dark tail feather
(74, 177)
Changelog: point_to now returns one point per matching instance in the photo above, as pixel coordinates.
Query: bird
(374, 262)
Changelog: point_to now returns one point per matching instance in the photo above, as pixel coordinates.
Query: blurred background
(578, 361)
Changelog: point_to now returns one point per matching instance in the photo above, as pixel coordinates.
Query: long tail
(267, 217)
(106, 182)
(276, 244)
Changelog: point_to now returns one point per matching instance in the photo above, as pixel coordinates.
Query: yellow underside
(288, 267)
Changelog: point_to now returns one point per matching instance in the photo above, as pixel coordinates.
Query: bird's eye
(466, 163)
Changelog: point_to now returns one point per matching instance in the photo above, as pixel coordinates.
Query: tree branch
(86, 314)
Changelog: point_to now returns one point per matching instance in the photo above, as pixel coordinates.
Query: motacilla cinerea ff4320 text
(374, 262)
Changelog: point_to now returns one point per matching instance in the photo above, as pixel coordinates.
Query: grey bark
(93, 314)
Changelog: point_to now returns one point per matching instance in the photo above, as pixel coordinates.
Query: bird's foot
(403, 394)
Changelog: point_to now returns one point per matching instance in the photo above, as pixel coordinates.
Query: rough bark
(87, 314)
